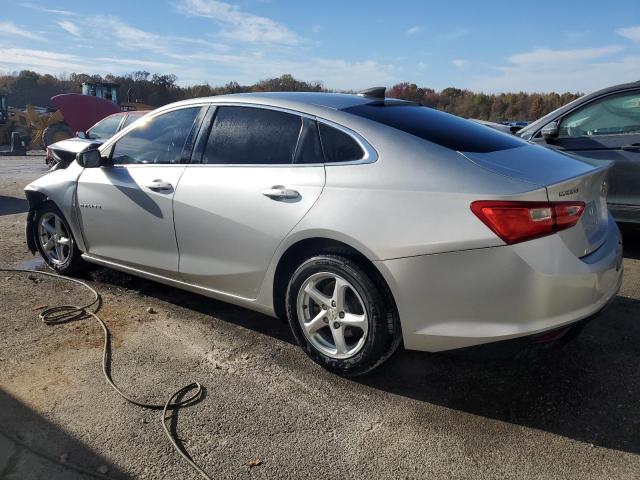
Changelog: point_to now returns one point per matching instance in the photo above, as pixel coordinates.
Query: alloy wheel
(332, 315)
(54, 238)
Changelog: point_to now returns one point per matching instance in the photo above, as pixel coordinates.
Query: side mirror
(91, 159)
(550, 131)
(81, 134)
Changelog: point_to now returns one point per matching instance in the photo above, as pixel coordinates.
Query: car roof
(541, 122)
(309, 102)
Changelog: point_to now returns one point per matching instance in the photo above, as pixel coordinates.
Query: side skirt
(225, 297)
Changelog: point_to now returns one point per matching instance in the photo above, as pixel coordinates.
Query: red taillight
(516, 222)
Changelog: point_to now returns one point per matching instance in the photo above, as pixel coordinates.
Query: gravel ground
(571, 413)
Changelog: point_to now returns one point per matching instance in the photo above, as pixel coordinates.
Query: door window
(159, 140)
(248, 135)
(613, 115)
(309, 148)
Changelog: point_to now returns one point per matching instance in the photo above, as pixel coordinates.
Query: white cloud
(46, 10)
(40, 60)
(11, 28)
(128, 37)
(454, 34)
(460, 63)
(544, 70)
(69, 27)
(414, 30)
(238, 25)
(44, 61)
(111, 28)
(546, 55)
(632, 33)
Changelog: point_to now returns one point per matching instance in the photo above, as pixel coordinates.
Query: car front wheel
(55, 241)
(344, 319)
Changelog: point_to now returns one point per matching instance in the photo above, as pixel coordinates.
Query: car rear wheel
(343, 319)
(55, 241)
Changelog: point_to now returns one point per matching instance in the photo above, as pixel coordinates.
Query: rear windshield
(438, 127)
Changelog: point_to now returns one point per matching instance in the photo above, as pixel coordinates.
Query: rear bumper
(479, 296)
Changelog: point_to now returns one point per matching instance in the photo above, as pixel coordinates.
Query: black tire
(384, 333)
(74, 262)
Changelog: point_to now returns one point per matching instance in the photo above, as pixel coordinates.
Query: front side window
(105, 128)
(248, 135)
(160, 139)
(613, 115)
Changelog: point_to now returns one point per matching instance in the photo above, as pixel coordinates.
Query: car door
(127, 209)
(608, 128)
(260, 170)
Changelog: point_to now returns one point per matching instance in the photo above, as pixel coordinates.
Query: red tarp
(81, 112)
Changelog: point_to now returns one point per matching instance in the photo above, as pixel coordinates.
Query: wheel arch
(305, 248)
(35, 199)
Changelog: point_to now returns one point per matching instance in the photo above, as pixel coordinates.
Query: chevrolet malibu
(364, 221)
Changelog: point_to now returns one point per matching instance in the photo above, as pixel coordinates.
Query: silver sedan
(364, 221)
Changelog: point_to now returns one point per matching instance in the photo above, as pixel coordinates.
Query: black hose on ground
(69, 313)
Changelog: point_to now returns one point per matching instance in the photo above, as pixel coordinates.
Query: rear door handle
(279, 192)
(160, 185)
(633, 147)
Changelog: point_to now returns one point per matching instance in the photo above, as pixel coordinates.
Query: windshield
(105, 128)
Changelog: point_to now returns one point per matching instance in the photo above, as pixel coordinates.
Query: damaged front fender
(58, 187)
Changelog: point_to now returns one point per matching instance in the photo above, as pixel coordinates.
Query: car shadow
(227, 312)
(631, 241)
(13, 205)
(122, 180)
(586, 391)
(32, 447)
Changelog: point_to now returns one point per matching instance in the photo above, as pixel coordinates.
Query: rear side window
(105, 128)
(247, 135)
(338, 146)
(438, 127)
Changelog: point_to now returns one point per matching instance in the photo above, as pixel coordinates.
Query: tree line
(159, 89)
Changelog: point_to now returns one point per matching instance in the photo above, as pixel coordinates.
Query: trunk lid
(565, 179)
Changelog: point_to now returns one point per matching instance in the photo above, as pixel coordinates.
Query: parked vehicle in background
(516, 126)
(62, 153)
(496, 126)
(365, 221)
(604, 125)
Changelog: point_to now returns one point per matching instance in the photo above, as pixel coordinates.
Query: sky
(490, 46)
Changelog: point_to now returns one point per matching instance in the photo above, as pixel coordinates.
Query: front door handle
(279, 192)
(160, 185)
(633, 147)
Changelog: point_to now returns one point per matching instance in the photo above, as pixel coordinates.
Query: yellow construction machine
(38, 130)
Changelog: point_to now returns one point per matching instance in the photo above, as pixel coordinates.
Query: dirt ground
(571, 414)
